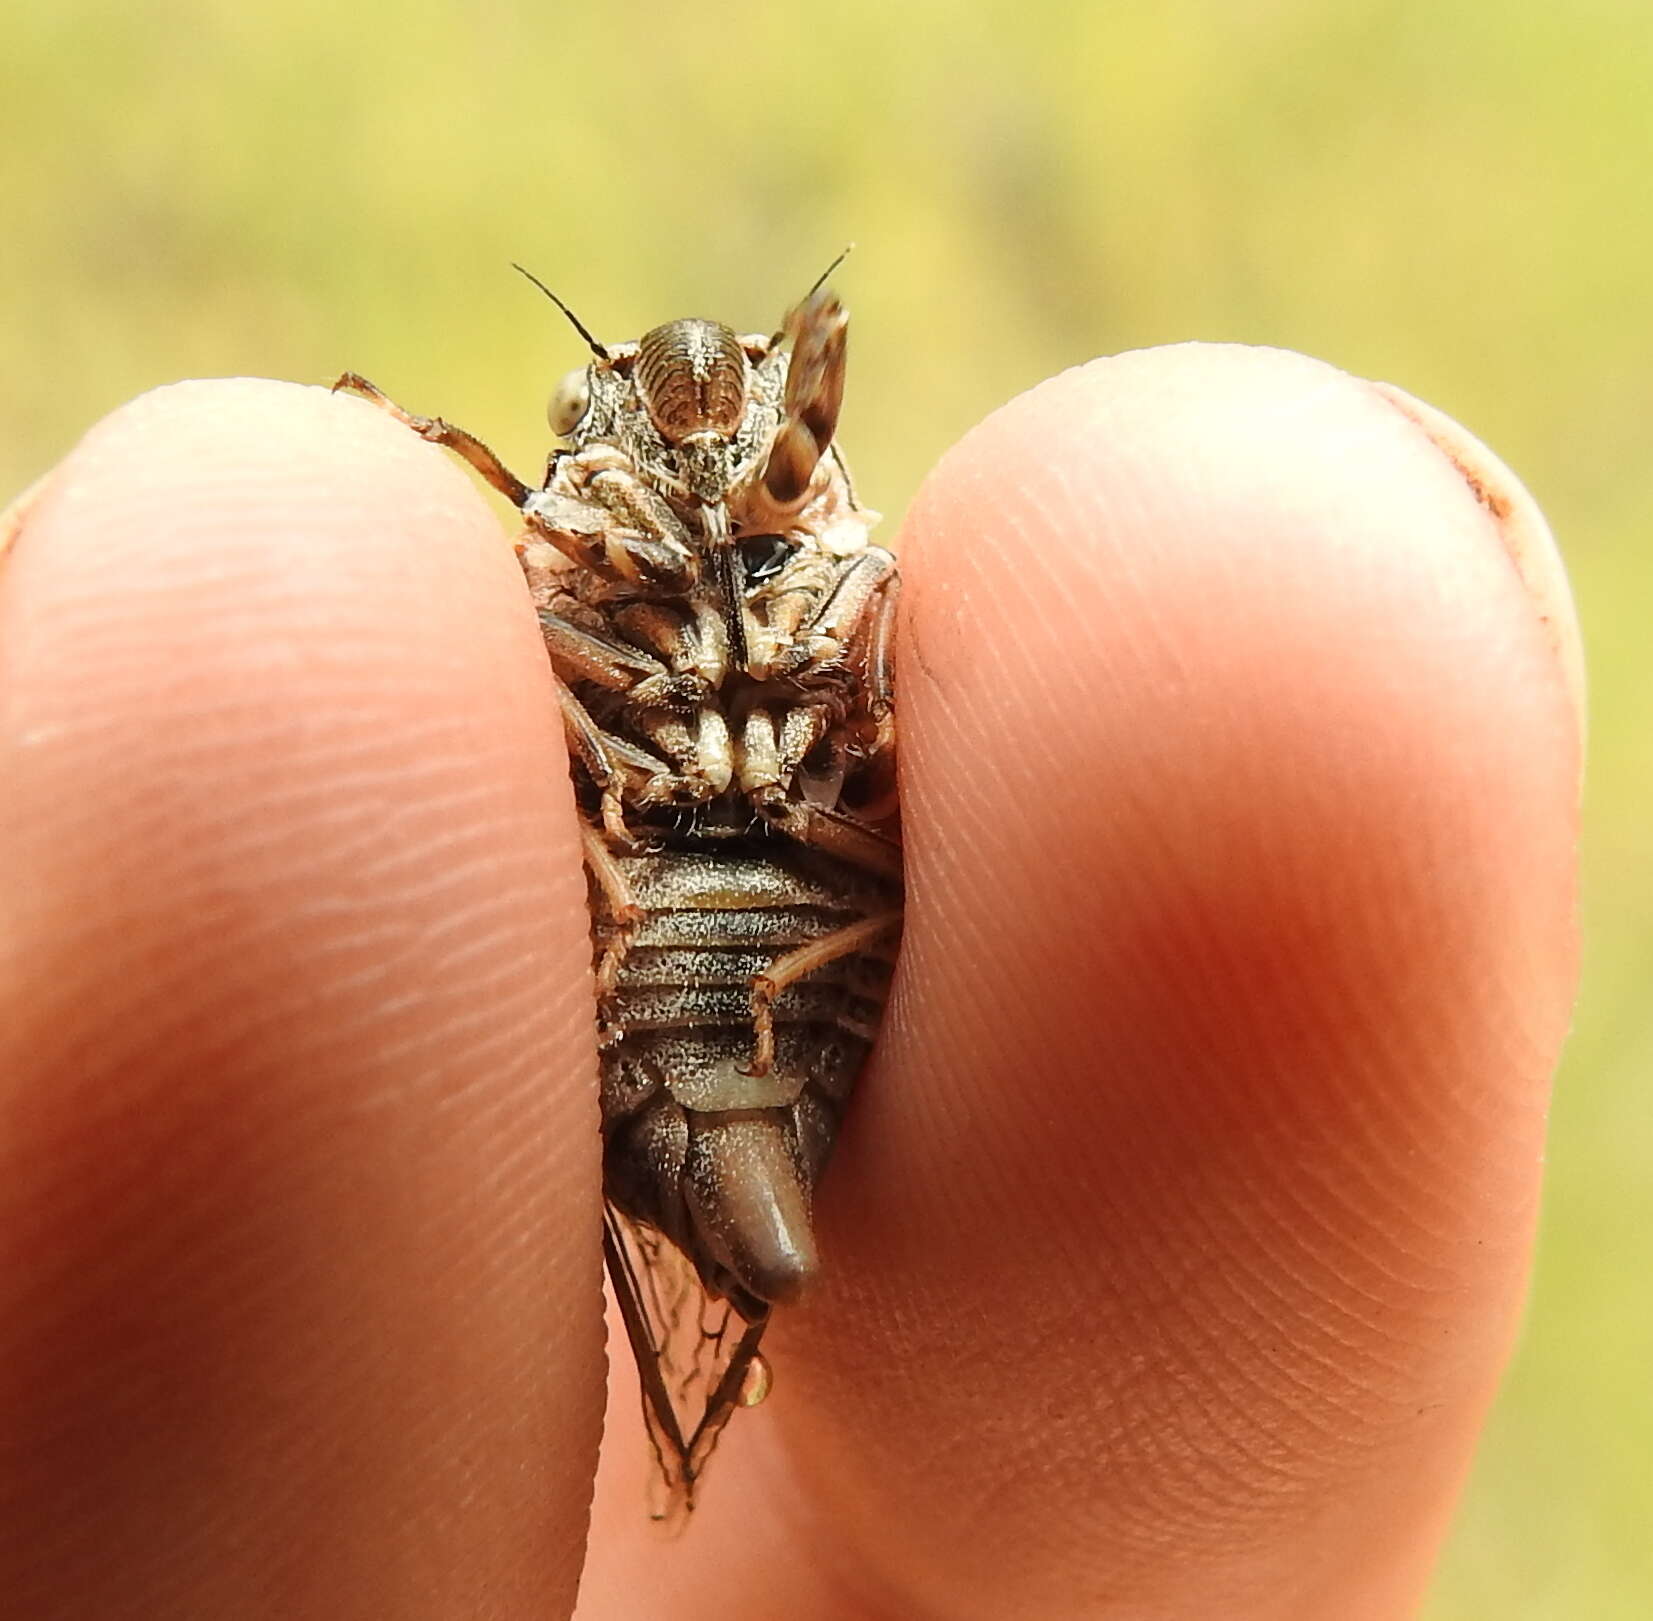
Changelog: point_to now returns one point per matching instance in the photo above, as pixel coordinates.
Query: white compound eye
(568, 402)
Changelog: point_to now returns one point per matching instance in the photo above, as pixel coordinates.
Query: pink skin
(1177, 1239)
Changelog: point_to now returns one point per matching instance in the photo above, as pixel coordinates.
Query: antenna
(579, 326)
(821, 280)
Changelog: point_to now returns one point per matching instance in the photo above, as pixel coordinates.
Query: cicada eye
(568, 402)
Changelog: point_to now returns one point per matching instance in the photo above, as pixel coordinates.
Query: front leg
(599, 493)
(590, 533)
(593, 537)
(445, 434)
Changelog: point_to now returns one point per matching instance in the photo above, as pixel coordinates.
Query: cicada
(719, 629)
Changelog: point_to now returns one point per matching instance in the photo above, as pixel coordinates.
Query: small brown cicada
(719, 627)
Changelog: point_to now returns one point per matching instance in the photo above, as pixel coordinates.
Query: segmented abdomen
(718, 1158)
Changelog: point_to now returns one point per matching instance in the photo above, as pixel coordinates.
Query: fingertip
(299, 1211)
(1238, 785)
(1209, 620)
(1522, 530)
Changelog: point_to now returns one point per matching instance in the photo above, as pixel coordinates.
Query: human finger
(1177, 1237)
(299, 1303)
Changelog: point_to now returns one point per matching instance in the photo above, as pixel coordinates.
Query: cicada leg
(622, 772)
(635, 537)
(878, 643)
(799, 964)
(844, 619)
(582, 655)
(445, 434)
(591, 746)
(680, 640)
(591, 533)
(624, 914)
(599, 859)
(839, 836)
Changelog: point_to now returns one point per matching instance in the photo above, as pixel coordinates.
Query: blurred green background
(1454, 196)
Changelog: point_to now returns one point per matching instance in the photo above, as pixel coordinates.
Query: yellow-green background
(1450, 194)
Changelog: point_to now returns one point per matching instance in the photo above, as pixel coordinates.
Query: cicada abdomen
(720, 629)
(707, 1144)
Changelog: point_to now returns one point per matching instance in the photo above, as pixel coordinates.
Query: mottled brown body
(720, 629)
(715, 1152)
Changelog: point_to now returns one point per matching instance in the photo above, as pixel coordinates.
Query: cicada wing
(697, 1358)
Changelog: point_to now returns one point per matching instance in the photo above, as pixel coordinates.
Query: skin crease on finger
(300, 1310)
(1179, 1233)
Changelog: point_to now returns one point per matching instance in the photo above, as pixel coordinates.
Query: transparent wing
(697, 1358)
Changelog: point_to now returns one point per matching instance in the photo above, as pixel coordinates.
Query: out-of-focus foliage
(1453, 196)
